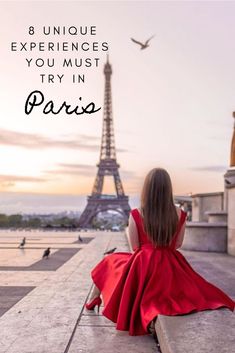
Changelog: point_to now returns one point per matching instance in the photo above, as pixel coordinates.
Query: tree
(15, 220)
(3, 220)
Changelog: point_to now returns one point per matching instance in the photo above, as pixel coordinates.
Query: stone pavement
(43, 308)
(42, 301)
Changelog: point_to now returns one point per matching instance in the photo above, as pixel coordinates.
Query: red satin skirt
(137, 287)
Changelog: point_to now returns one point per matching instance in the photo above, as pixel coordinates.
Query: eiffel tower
(107, 166)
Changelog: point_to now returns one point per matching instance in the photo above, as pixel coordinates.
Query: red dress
(153, 280)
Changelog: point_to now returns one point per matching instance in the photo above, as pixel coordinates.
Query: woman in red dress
(155, 278)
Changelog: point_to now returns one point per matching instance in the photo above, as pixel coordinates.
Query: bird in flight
(142, 45)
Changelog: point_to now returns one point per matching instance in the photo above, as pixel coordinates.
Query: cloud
(77, 166)
(121, 150)
(210, 168)
(7, 181)
(37, 141)
(7, 184)
(16, 178)
(87, 171)
(128, 174)
(19, 202)
(74, 169)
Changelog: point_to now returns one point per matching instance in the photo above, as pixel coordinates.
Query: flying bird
(109, 251)
(46, 253)
(142, 45)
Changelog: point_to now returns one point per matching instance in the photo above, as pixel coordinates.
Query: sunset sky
(172, 103)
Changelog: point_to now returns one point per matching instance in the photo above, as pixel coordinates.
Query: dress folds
(153, 280)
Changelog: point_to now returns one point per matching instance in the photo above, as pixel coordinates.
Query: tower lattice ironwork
(98, 202)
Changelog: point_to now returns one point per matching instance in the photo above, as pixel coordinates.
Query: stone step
(204, 332)
(207, 331)
(95, 333)
(52, 319)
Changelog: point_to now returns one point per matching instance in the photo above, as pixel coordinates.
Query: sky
(172, 102)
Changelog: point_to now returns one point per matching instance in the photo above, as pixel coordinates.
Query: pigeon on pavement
(46, 253)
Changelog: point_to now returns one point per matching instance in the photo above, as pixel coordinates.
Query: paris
(36, 98)
(117, 228)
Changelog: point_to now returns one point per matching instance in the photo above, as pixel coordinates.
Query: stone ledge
(207, 331)
(219, 193)
(204, 332)
(209, 237)
(216, 212)
(206, 225)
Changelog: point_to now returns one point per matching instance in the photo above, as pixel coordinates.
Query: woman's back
(156, 278)
(143, 237)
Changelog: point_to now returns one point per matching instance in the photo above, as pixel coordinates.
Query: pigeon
(109, 251)
(22, 244)
(142, 45)
(80, 239)
(46, 253)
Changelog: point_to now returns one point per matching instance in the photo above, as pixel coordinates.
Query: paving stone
(14, 278)
(53, 340)
(2, 311)
(44, 320)
(9, 296)
(95, 320)
(50, 312)
(14, 291)
(19, 257)
(85, 240)
(54, 261)
(90, 339)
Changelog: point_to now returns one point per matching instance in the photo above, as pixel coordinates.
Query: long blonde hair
(157, 207)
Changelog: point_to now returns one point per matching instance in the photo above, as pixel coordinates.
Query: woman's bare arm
(180, 237)
(133, 236)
